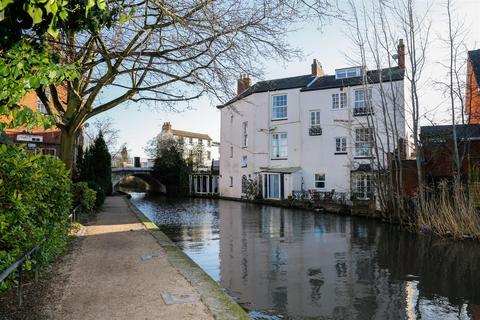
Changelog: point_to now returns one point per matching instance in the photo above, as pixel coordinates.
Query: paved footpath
(119, 271)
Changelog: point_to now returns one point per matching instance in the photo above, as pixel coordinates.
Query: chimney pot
(243, 83)
(166, 126)
(401, 54)
(317, 69)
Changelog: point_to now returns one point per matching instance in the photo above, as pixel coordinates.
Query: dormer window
(348, 73)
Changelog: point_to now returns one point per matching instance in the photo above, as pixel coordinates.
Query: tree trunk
(67, 145)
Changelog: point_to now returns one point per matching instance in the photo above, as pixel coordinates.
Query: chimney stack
(401, 54)
(243, 83)
(166, 127)
(317, 69)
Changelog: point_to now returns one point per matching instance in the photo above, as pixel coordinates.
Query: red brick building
(46, 141)
(437, 147)
(472, 101)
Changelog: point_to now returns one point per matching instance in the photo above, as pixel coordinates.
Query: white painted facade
(191, 140)
(308, 157)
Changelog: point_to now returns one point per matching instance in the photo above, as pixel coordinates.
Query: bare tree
(107, 127)
(168, 52)
(455, 88)
(377, 30)
(416, 29)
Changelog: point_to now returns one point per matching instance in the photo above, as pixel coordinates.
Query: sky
(330, 44)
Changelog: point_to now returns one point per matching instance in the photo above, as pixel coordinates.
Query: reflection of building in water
(302, 264)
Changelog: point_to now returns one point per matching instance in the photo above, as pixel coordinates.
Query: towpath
(119, 271)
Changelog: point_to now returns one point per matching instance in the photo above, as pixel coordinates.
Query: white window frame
(245, 134)
(244, 161)
(268, 187)
(363, 103)
(348, 73)
(279, 145)
(343, 100)
(231, 181)
(319, 178)
(209, 155)
(335, 101)
(276, 107)
(41, 107)
(314, 118)
(362, 184)
(341, 144)
(363, 142)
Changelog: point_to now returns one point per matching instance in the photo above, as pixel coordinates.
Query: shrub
(96, 165)
(35, 201)
(84, 196)
(100, 193)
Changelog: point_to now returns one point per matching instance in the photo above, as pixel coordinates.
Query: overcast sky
(330, 46)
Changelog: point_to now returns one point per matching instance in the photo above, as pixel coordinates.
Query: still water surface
(290, 264)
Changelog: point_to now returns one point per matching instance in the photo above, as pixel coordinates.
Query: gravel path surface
(119, 271)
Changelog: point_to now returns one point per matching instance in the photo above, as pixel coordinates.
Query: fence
(321, 196)
(75, 213)
(19, 265)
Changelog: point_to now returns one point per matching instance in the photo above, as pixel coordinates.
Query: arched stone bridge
(145, 174)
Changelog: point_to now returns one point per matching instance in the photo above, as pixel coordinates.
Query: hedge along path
(220, 304)
(119, 271)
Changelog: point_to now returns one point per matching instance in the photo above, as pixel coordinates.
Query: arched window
(244, 184)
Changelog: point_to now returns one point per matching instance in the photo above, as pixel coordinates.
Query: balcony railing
(315, 131)
(362, 111)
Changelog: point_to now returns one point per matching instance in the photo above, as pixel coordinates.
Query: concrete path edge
(220, 304)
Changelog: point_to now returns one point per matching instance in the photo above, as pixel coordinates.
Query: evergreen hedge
(95, 168)
(35, 202)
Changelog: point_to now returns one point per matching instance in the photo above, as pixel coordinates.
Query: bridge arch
(154, 185)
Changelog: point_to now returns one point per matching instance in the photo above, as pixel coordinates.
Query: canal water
(290, 264)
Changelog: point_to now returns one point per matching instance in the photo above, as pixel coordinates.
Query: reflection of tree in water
(443, 267)
(316, 281)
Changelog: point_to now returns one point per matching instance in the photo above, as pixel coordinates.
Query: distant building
(204, 179)
(193, 142)
(311, 132)
(39, 140)
(472, 101)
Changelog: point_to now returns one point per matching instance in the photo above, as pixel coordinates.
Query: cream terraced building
(312, 132)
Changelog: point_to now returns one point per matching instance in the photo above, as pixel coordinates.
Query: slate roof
(188, 134)
(464, 132)
(310, 82)
(474, 58)
(273, 85)
(328, 82)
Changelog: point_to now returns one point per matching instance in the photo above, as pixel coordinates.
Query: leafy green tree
(171, 168)
(29, 30)
(161, 52)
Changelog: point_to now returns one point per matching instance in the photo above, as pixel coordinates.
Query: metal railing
(75, 213)
(35, 252)
(321, 196)
(18, 265)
